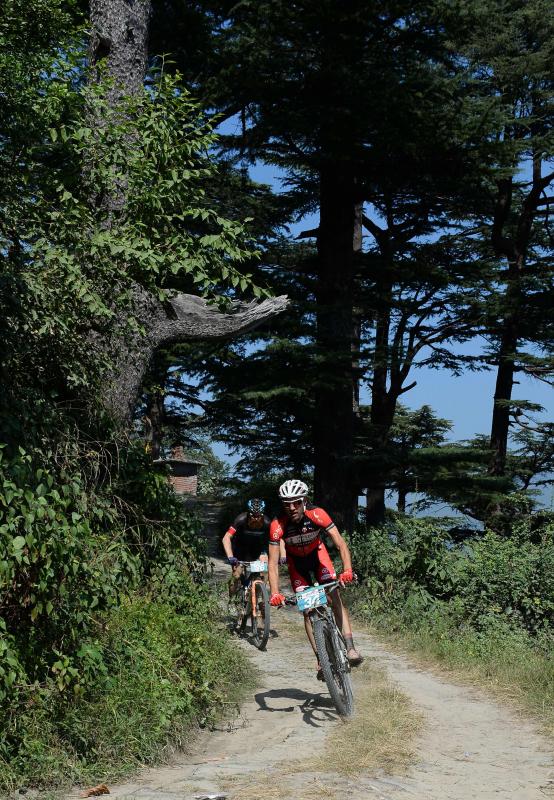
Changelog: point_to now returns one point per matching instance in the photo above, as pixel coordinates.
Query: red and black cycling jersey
(248, 530)
(302, 537)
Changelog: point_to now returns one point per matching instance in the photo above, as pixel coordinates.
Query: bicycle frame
(326, 612)
(251, 579)
(255, 602)
(329, 644)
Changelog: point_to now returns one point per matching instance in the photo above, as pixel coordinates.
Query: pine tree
(408, 109)
(357, 104)
(414, 433)
(515, 54)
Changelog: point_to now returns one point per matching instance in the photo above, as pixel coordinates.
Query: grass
(382, 734)
(280, 784)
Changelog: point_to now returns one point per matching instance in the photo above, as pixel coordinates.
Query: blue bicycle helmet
(255, 506)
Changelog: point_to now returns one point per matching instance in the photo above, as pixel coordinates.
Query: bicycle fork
(253, 594)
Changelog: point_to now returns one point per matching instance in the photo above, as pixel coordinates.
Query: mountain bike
(253, 602)
(330, 644)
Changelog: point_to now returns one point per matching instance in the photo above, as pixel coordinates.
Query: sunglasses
(292, 503)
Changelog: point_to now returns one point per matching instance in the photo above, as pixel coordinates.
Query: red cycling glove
(277, 599)
(347, 576)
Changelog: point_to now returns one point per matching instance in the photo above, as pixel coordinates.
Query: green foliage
(406, 557)
(492, 617)
(213, 475)
(104, 197)
(159, 672)
(61, 559)
(413, 569)
(510, 578)
(166, 226)
(95, 201)
(262, 395)
(88, 655)
(68, 553)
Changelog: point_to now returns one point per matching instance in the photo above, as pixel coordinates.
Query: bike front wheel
(260, 615)
(334, 666)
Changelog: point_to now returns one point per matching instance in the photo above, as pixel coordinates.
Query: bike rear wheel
(334, 665)
(260, 615)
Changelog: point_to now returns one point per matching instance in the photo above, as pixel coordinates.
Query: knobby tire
(242, 610)
(335, 671)
(260, 616)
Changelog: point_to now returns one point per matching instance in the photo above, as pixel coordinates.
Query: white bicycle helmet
(293, 490)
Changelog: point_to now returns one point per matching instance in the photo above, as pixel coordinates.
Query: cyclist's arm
(282, 550)
(226, 542)
(275, 542)
(231, 530)
(341, 546)
(273, 567)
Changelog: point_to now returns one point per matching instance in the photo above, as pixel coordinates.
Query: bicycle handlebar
(292, 599)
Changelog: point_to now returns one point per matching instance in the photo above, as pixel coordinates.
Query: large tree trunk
(154, 423)
(500, 426)
(357, 315)
(515, 249)
(391, 365)
(381, 412)
(402, 495)
(120, 36)
(334, 418)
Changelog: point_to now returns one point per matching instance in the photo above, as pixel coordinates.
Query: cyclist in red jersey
(300, 528)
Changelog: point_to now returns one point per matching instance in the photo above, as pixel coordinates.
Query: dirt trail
(469, 746)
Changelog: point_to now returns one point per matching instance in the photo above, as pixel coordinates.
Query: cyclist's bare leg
(310, 635)
(342, 618)
(310, 632)
(234, 581)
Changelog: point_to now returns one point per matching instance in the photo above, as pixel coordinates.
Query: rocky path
(468, 747)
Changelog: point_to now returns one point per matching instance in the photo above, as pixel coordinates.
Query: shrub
(511, 578)
(159, 672)
(94, 672)
(413, 567)
(406, 557)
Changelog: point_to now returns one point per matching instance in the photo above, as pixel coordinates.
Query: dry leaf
(96, 790)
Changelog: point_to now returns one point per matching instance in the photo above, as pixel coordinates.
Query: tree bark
(515, 250)
(120, 35)
(154, 421)
(500, 425)
(383, 403)
(334, 418)
(357, 315)
(381, 412)
(185, 318)
(402, 495)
